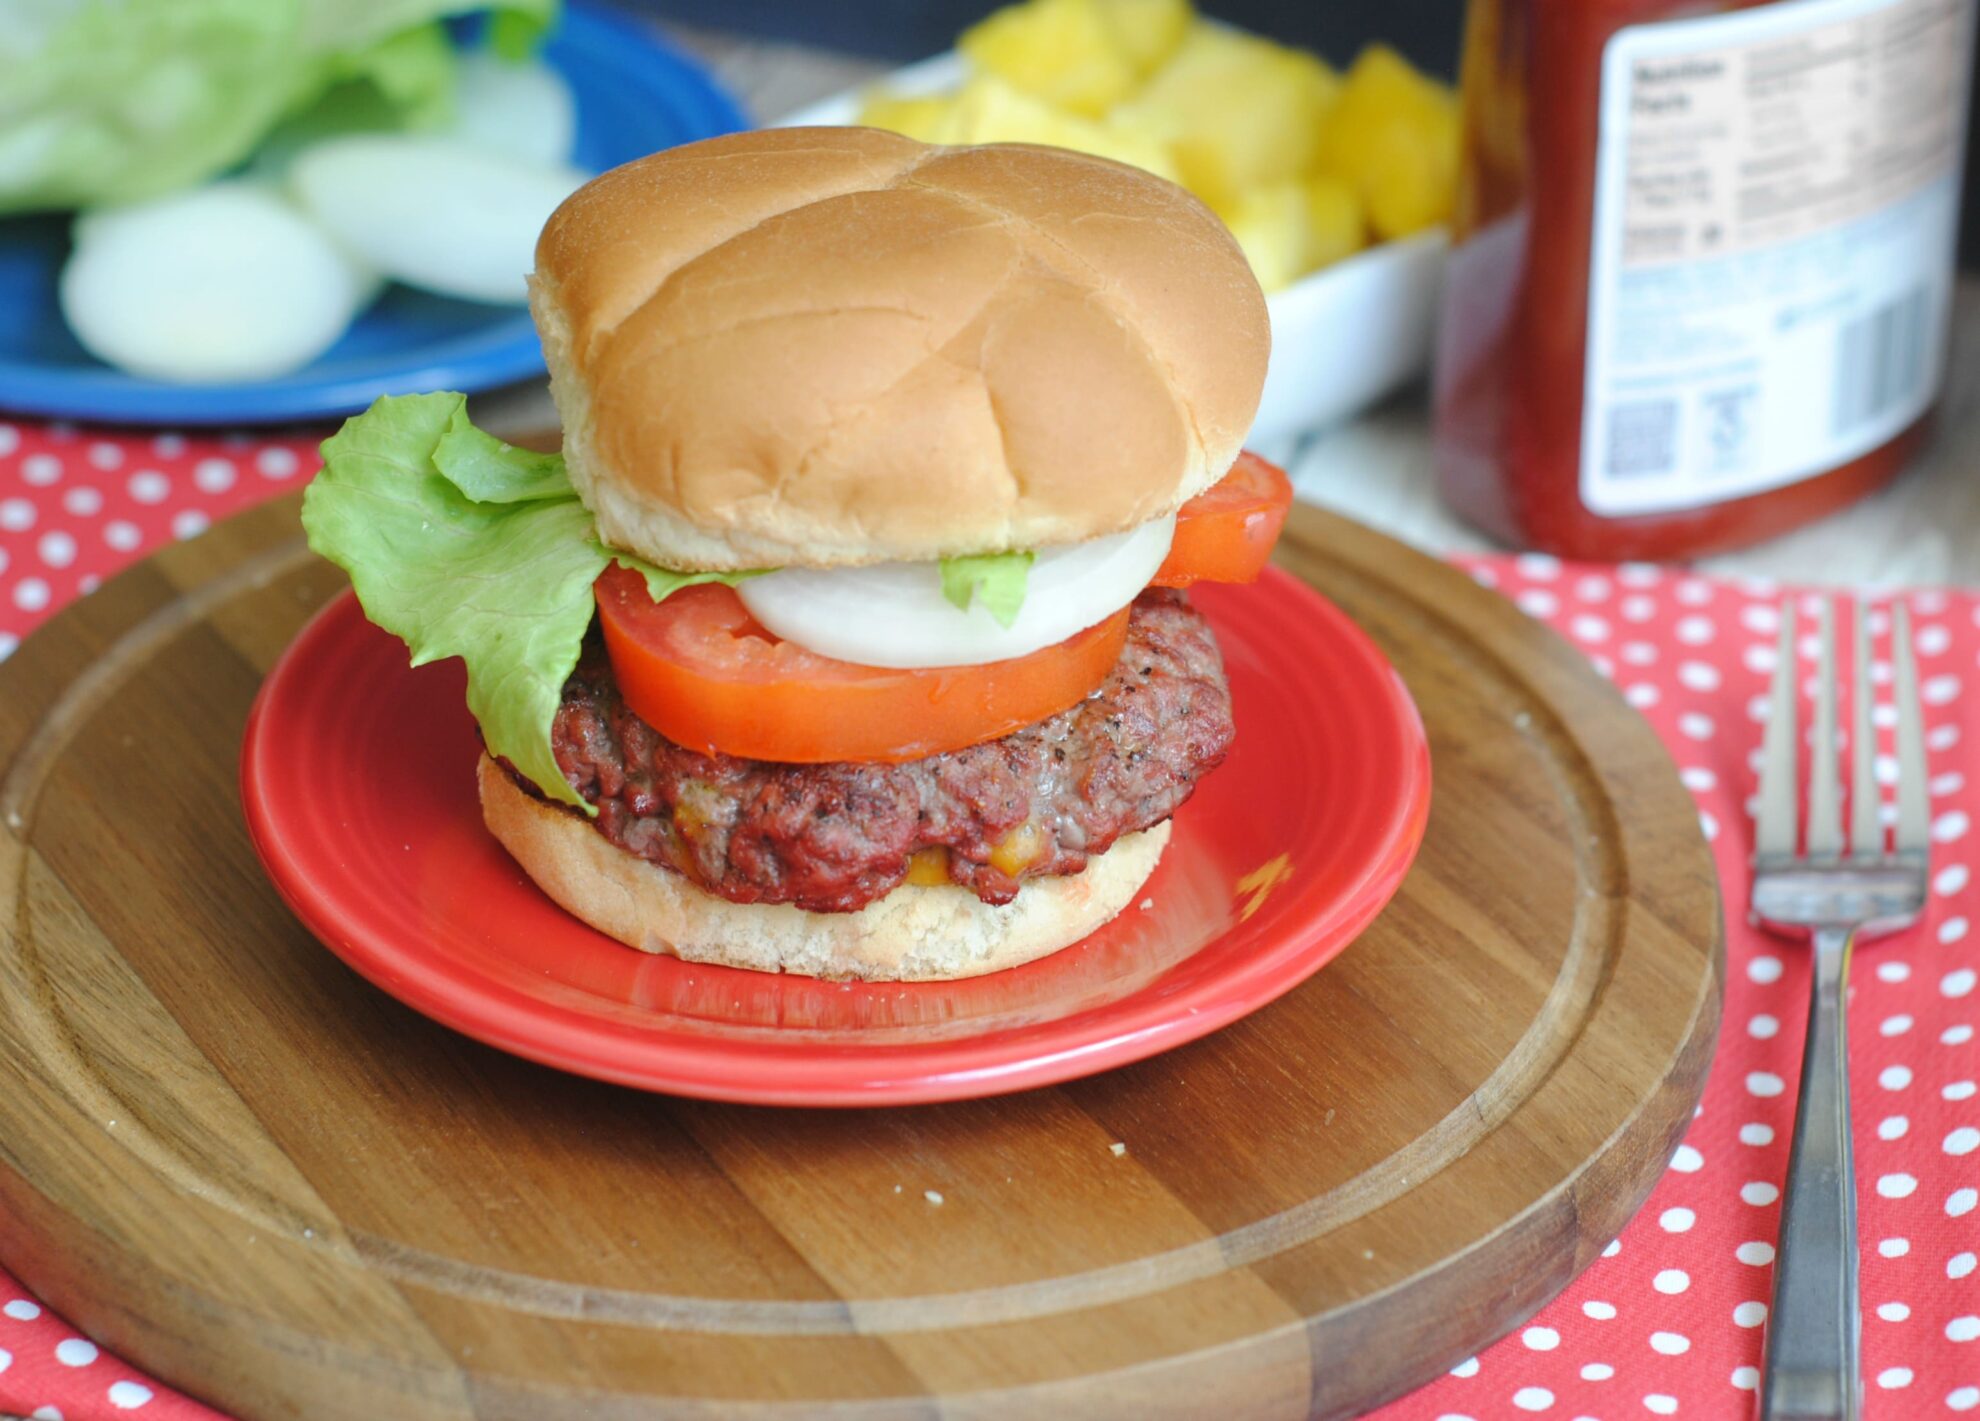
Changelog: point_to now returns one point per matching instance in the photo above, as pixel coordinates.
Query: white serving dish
(1342, 337)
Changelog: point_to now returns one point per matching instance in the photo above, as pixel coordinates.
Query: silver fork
(1832, 893)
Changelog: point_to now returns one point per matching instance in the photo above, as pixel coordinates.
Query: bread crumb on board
(1119, 1147)
(931, 1196)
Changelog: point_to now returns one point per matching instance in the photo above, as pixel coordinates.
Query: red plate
(358, 779)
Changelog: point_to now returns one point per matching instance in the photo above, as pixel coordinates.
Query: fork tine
(1773, 831)
(1866, 826)
(1824, 773)
(1914, 831)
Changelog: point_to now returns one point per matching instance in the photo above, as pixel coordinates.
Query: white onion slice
(433, 212)
(219, 283)
(894, 614)
(522, 108)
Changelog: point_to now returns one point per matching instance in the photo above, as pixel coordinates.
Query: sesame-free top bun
(838, 345)
(913, 934)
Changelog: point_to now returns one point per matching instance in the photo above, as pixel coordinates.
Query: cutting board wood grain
(227, 1157)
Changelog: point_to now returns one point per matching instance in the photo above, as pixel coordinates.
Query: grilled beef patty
(833, 838)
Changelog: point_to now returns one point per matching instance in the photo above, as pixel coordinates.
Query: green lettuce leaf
(994, 579)
(505, 586)
(118, 100)
(411, 72)
(514, 34)
(663, 582)
(489, 471)
(461, 545)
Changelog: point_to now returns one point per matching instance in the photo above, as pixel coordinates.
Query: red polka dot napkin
(1669, 1321)
(76, 507)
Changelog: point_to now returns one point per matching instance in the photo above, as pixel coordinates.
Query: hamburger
(847, 634)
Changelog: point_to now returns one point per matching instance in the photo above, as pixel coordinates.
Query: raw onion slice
(894, 614)
(437, 213)
(219, 283)
(521, 108)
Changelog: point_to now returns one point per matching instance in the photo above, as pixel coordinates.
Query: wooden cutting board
(225, 1156)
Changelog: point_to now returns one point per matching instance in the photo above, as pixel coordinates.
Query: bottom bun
(914, 934)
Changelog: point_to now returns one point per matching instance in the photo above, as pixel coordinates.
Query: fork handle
(1812, 1371)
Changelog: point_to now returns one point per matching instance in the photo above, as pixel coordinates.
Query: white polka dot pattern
(1674, 1324)
(1669, 1319)
(75, 1352)
(75, 509)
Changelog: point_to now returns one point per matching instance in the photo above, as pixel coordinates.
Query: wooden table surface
(1923, 530)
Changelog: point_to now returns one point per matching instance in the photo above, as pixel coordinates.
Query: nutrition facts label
(1776, 201)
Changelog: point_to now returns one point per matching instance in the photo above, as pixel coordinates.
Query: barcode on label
(1642, 439)
(1880, 360)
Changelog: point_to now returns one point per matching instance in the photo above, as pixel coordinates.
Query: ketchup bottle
(1702, 270)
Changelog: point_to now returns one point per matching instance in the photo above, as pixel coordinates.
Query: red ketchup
(1702, 271)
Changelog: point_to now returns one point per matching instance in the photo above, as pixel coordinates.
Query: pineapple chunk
(1394, 138)
(1062, 51)
(1237, 111)
(916, 116)
(988, 110)
(1337, 225)
(1289, 228)
(1271, 223)
(1147, 31)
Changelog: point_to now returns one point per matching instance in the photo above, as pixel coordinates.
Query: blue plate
(635, 94)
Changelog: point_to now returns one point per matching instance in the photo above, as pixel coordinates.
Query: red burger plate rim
(357, 777)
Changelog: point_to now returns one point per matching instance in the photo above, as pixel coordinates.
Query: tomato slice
(1226, 533)
(700, 670)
